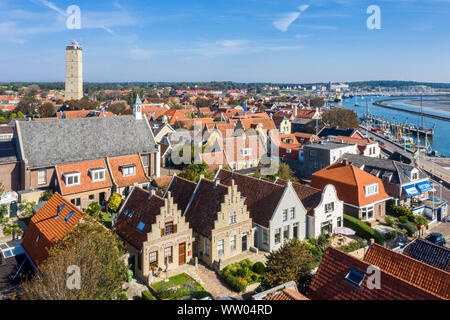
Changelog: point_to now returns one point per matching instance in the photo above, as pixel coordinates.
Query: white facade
(328, 214)
(288, 218)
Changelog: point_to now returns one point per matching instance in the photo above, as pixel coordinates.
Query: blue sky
(237, 40)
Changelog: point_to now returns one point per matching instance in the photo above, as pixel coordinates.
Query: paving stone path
(212, 283)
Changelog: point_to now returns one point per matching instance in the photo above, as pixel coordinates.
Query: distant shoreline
(435, 105)
(381, 103)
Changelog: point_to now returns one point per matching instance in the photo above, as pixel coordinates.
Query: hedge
(362, 229)
(410, 227)
(147, 295)
(234, 282)
(258, 268)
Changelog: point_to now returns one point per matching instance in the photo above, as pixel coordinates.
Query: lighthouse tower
(74, 72)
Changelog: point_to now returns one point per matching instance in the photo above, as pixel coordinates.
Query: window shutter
(162, 232)
(174, 228)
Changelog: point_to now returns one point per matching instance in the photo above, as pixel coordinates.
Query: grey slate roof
(385, 167)
(326, 146)
(8, 151)
(51, 142)
(429, 253)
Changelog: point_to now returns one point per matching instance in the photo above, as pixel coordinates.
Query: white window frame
(233, 243)
(286, 229)
(371, 189)
(73, 175)
(42, 176)
(329, 207)
(277, 231)
(246, 151)
(94, 174)
(221, 248)
(292, 213)
(365, 213)
(285, 215)
(233, 217)
(129, 170)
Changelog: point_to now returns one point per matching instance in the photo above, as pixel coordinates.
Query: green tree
(29, 106)
(47, 110)
(194, 170)
(46, 195)
(284, 172)
(99, 255)
(292, 262)
(342, 118)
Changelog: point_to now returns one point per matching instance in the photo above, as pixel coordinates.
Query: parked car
(436, 238)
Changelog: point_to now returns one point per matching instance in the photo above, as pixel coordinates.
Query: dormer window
(72, 178)
(128, 170)
(97, 174)
(371, 189)
(414, 174)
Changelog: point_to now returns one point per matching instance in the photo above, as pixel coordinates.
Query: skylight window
(59, 210)
(69, 216)
(140, 226)
(355, 276)
(131, 214)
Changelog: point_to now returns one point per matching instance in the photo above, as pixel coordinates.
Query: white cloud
(285, 20)
(231, 43)
(303, 7)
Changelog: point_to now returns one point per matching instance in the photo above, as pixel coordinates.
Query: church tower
(74, 72)
(137, 108)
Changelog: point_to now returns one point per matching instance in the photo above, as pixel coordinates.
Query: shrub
(114, 202)
(410, 227)
(362, 229)
(258, 268)
(234, 282)
(403, 219)
(313, 241)
(147, 295)
(419, 219)
(390, 235)
(46, 195)
(389, 221)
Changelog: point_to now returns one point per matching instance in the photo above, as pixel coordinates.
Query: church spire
(137, 108)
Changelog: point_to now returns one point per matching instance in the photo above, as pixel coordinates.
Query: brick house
(42, 145)
(48, 226)
(363, 194)
(218, 216)
(84, 182)
(155, 232)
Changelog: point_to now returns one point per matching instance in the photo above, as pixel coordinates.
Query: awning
(424, 186)
(410, 190)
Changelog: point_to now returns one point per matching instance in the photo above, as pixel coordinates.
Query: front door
(131, 263)
(182, 253)
(101, 198)
(255, 241)
(244, 243)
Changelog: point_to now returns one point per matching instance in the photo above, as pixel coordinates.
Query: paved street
(443, 228)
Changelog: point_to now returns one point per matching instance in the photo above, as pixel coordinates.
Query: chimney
(217, 181)
(345, 162)
(295, 111)
(202, 176)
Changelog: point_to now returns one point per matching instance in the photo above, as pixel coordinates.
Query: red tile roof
(86, 182)
(286, 294)
(413, 271)
(115, 165)
(329, 282)
(143, 210)
(349, 182)
(48, 228)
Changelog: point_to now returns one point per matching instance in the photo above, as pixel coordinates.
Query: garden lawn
(179, 287)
